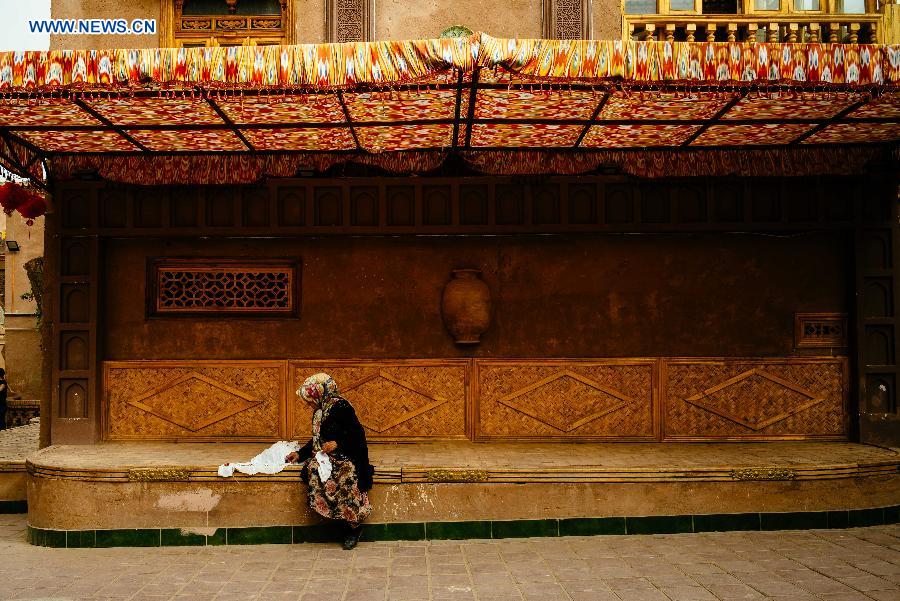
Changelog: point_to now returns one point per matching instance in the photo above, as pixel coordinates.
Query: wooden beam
(349, 120)
(224, 117)
(93, 113)
(721, 113)
(593, 118)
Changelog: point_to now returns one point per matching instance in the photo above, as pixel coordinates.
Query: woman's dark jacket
(342, 426)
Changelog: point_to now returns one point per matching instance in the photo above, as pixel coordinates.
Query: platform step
(317, 533)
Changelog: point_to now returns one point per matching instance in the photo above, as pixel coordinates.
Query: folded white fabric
(270, 461)
(324, 462)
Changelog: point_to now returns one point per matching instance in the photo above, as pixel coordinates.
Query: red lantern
(33, 207)
(12, 196)
(29, 204)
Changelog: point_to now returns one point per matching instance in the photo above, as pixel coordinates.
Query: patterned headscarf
(322, 390)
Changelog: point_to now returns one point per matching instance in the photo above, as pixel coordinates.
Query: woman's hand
(329, 446)
(292, 457)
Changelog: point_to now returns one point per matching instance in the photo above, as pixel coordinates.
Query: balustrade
(833, 29)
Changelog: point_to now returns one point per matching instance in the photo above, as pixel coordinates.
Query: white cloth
(324, 462)
(270, 461)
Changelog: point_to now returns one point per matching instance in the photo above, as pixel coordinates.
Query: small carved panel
(567, 19)
(394, 400)
(73, 398)
(567, 399)
(349, 20)
(248, 287)
(812, 330)
(172, 400)
(754, 399)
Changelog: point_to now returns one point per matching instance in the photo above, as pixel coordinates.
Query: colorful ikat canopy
(220, 115)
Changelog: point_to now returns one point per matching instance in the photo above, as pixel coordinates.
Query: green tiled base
(322, 533)
(13, 506)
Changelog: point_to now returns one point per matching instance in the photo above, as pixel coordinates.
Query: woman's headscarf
(322, 390)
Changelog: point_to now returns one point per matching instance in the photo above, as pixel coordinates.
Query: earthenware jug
(466, 306)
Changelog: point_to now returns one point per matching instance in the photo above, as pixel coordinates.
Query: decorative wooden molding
(820, 330)
(223, 287)
(416, 205)
(159, 475)
(349, 20)
(456, 475)
(567, 19)
(763, 473)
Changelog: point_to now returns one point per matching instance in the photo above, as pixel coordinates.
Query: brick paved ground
(836, 565)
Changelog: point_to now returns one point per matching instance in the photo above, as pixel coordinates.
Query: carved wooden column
(567, 19)
(349, 20)
(75, 414)
(877, 325)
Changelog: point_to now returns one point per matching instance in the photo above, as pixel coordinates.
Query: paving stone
(859, 564)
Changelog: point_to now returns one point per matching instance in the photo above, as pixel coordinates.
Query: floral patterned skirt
(339, 498)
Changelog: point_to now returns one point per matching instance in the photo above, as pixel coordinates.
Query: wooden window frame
(171, 37)
(292, 265)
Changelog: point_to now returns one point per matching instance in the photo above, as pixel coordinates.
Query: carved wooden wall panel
(446, 205)
(754, 399)
(159, 400)
(607, 399)
(415, 399)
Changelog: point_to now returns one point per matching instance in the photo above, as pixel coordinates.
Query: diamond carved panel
(163, 400)
(755, 399)
(406, 400)
(380, 417)
(775, 399)
(194, 401)
(602, 400)
(586, 400)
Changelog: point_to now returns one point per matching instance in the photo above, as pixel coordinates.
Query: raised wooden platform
(159, 486)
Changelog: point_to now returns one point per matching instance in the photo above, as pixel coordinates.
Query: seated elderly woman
(337, 433)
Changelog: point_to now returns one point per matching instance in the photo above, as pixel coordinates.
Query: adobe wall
(104, 9)
(714, 294)
(393, 19)
(22, 351)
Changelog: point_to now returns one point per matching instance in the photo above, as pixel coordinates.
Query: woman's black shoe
(352, 538)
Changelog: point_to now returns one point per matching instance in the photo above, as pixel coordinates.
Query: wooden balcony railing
(835, 29)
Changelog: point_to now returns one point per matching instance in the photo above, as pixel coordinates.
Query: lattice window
(567, 19)
(817, 330)
(349, 20)
(264, 287)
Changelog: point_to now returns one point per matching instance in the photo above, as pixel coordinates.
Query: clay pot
(466, 306)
